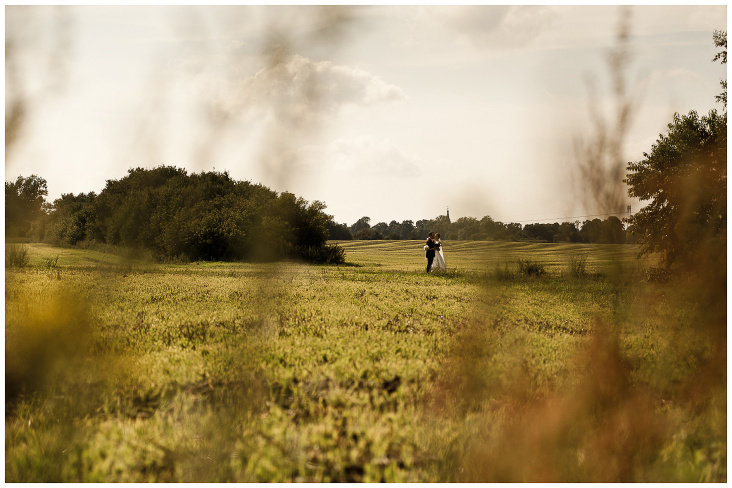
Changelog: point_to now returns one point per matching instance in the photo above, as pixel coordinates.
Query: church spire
(448, 214)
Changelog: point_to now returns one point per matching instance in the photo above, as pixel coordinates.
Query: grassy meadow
(522, 363)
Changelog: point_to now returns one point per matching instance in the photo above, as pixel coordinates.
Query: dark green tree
(612, 231)
(405, 229)
(441, 225)
(421, 229)
(339, 232)
(567, 233)
(465, 228)
(24, 204)
(591, 231)
(368, 234)
(720, 40)
(382, 228)
(684, 178)
(203, 216)
(70, 218)
(362, 223)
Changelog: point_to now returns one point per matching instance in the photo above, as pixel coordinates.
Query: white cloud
(507, 26)
(364, 155)
(686, 76)
(289, 102)
(299, 90)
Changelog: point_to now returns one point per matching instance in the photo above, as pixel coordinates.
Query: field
(524, 362)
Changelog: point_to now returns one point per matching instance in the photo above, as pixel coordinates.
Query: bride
(439, 262)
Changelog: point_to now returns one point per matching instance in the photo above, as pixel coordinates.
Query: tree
(720, 40)
(541, 232)
(465, 227)
(70, 218)
(24, 201)
(685, 179)
(362, 223)
(382, 228)
(204, 216)
(406, 228)
(567, 233)
(612, 231)
(368, 234)
(339, 232)
(441, 225)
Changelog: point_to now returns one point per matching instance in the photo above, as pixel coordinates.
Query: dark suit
(430, 253)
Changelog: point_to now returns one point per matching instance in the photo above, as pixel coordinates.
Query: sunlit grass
(482, 256)
(372, 371)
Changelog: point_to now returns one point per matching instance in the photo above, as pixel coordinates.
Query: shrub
(503, 274)
(16, 256)
(577, 265)
(51, 263)
(531, 268)
(326, 254)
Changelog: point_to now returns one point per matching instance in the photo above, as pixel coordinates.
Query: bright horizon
(395, 113)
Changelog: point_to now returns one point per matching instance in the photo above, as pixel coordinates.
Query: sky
(389, 112)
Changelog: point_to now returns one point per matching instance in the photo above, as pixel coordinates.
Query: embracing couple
(433, 253)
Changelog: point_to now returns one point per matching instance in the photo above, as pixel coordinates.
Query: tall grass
(16, 256)
(355, 373)
(577, 265)
(117, 371)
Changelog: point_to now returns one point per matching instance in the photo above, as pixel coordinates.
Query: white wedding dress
(439, 262)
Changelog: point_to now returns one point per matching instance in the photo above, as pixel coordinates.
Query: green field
(123, 370)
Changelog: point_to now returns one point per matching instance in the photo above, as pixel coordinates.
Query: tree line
(174, 215)
(210, 216)
(608, 231)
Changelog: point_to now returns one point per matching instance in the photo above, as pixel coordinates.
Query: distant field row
(481, 256)
(408, 255)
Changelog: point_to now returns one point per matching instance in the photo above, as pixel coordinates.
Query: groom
(430, 252)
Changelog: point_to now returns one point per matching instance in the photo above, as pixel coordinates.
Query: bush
(503, 274)
(51, 263)
(326, 254)
(170, 215)
(531, 268)
(577, 265)
(16, 256)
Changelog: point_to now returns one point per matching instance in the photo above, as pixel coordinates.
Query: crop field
(523, 362)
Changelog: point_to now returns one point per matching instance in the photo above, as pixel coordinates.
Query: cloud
(362, 156)
(686, 76)
(506, 26)
(660, 86)
(288, 103)
(298, 90)
(323, 86)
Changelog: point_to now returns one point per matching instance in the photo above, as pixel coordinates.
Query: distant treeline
(176, 216)
(608, 231)
(173, 215)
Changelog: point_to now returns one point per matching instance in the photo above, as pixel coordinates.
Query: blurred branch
(600, 159)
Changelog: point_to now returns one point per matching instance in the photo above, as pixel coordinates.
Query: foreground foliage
(375, 371)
